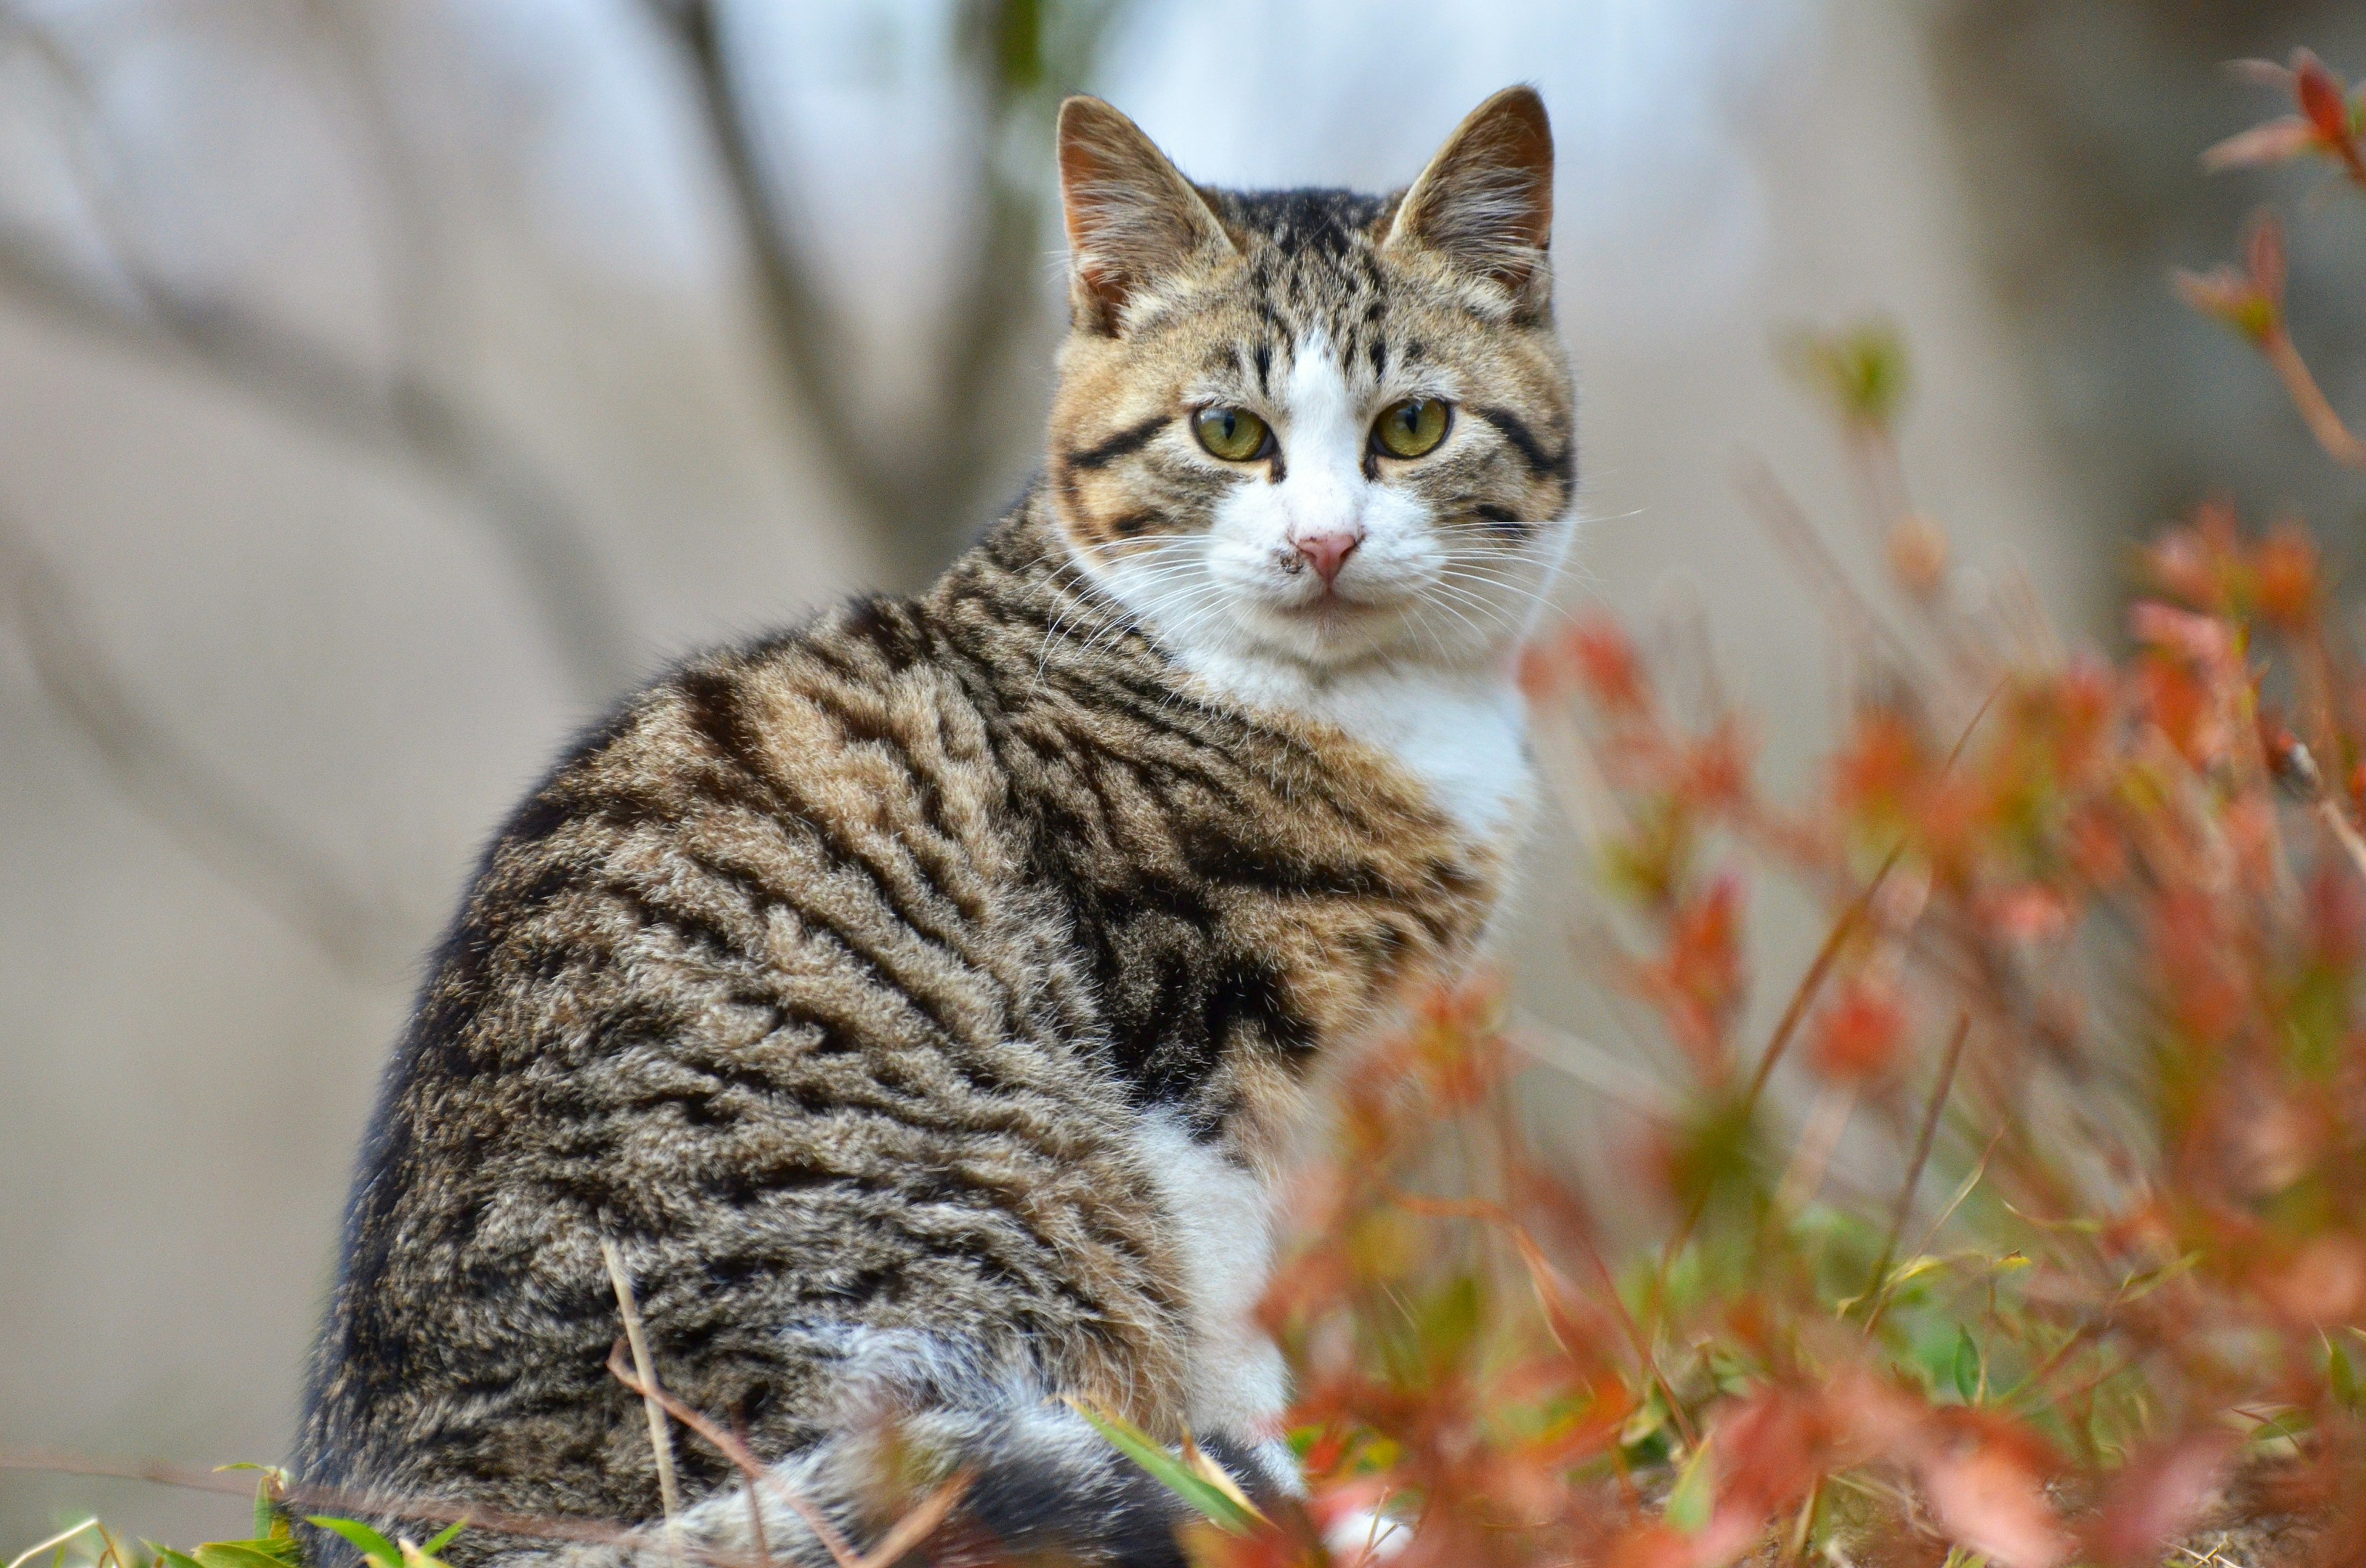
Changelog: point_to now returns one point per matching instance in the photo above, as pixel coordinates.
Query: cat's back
(753, 987)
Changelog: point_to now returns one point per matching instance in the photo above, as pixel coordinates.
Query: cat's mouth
(1331, 608)
(1333, 602)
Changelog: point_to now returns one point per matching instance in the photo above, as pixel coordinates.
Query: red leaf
(1990, 1501)
(2157, 1497)
(1699, 981)
(2322, 99)
(2273, 142)
(2323, 1283)
(1611, 669)
(1882, 765)
(1858, 1034)
(2288, 575)
(2200, 639)
(2230, 297)
(2261, 74)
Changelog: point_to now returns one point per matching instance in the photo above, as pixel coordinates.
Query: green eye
(1235, 435)
(1411, 428)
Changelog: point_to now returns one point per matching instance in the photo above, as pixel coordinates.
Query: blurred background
(387, 385)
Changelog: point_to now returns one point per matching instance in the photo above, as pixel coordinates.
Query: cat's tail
(1037, 1483)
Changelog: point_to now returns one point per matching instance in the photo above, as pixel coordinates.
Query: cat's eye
(1235, 435)
(1411, 428)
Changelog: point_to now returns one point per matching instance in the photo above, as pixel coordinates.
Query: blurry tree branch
(401, 417)
(179, 789)
(398, 414)
(919, 493)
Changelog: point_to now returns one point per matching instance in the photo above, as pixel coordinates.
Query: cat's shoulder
(747, 705)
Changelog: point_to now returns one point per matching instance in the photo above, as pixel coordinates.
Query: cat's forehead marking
(1318, 402)
(1312, 265)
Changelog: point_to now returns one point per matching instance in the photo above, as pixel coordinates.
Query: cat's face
(1315, 427)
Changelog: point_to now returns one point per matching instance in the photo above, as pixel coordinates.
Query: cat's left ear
(1485, 202)
(1133, 217)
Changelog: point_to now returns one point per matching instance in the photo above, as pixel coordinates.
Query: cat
(923, 1003)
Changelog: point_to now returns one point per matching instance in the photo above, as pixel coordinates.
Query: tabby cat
(922, 1003)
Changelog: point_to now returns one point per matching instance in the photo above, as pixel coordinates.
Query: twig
(732, 1449)
(920, 495)
(1923, 1141)
(1786, 522)
(1590, 1066)
(401, 417)
(1544, 1280)
(906, 1532)
(1812, 981)
(755, 1502)
(2337, 822)
(1835, 1104)
(2315, 410)
(1795, 1550)
(660, 1441)
(919, 1524)
(60, 1539)
(305, 379)
(1803, 995)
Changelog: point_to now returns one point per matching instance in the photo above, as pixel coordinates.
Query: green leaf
(444, 1537)
(2136, 1287)
(1861, 368)
(1167, 1468)
(373, 1546)
(2343, 1376)
(270, 1523)
(1694, 1500)
(279, 1548)
(1967, 1366)
(168, 1558)
(241, 1554)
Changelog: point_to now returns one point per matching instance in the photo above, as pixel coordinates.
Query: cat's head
(1314, 428)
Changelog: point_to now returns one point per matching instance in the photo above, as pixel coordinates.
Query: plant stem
(2315, 410)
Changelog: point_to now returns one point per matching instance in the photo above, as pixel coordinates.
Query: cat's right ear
(1133, 217)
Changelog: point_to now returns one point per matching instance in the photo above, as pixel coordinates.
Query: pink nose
(1326, 553)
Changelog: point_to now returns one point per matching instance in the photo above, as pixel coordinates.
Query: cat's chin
(1329, 626)
(1335, 634)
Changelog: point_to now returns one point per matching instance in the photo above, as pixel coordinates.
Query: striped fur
(925, 1001)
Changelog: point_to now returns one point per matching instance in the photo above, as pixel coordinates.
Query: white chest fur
(1462, 733)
